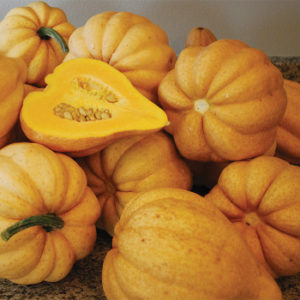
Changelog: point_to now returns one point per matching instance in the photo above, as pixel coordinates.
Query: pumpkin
(262, 199)
(288, 132)
(47, 214)
(173, 244)
(129, 167)
(130, 43)
(12, 78)
(223, 101)
(199, 36)
(37, 33)
(87, 105)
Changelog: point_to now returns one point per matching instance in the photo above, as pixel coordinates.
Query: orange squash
(37, 33)
(87, 105)
(224, 102)
(262, 199)
(171, 244)
(130, 166)
(12, 77)
(288, 133)
(199, 36)
(130, 43)
(47, 214)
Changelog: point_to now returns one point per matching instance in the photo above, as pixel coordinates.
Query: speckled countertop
(84, 281)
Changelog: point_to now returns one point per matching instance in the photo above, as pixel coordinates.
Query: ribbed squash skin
(171, 244)
(19, 38)
(34, 181)
(12, 77)
(262, 199)
(224, 102)
(129, 167)
(199, 36)
(288, 133)
(130, 43)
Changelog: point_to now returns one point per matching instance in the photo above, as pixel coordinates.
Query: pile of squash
(103, 126)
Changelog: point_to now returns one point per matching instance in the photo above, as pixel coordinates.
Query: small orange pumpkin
(224, 102)
(37, 33)
(262, 199)
(12, 77)
(130, 166)
(171, 244)
(47, 214)
(288, 132)
(130, 43)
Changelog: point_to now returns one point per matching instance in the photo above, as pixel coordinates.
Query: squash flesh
(80, 83)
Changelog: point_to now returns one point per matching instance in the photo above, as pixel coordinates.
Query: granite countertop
(84, 281)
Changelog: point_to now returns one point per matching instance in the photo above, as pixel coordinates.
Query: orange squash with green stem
(38, 34)
(47, 214)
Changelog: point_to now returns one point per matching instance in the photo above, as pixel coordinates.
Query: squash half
(87, 105)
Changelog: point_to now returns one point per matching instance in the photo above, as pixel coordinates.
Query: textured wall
(270, 25)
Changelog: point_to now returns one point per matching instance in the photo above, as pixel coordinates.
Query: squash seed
(81, 114)
(105, 115)
(82, 111)
(94, 89)
(98, 114)
(68, 115)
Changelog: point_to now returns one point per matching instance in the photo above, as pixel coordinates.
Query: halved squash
(87, 105)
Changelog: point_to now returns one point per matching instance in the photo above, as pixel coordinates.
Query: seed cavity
(81, 114)
(93, 88)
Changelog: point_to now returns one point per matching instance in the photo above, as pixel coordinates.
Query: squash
(130, 166)
(87, 105)
(37, 33)
(262, 199)
(199, 36)
(47, 214)
(130, 43)
(223, 101)
(12, 77)
(288, 132)
(172, 244)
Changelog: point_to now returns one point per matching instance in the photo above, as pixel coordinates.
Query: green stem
(45, 33)
(48, 221)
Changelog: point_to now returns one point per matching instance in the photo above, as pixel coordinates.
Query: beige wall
(272, 26)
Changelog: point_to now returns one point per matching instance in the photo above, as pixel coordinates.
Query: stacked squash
(100, 96)
(131, 166)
